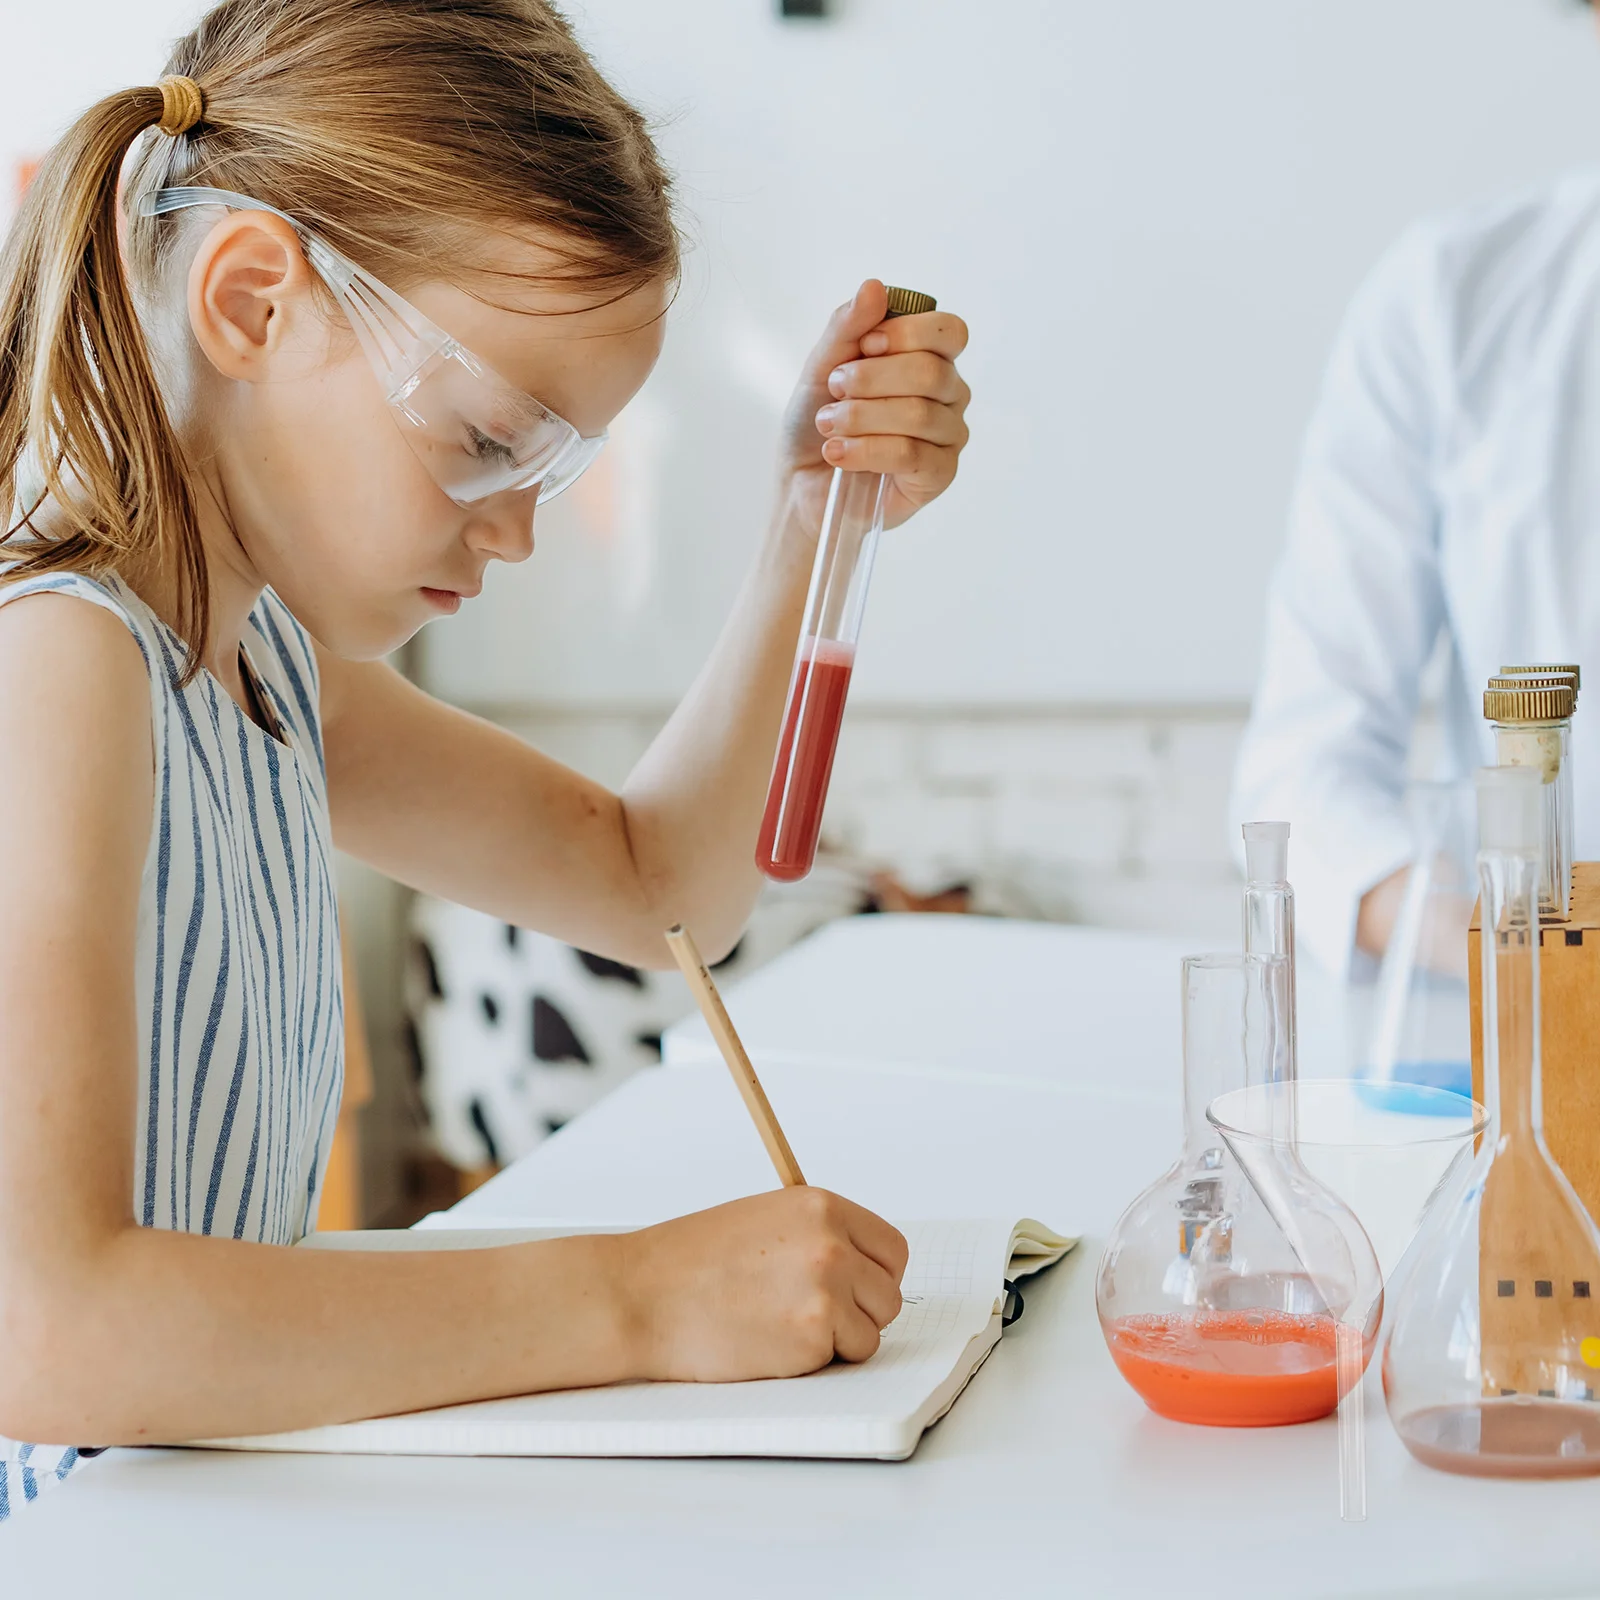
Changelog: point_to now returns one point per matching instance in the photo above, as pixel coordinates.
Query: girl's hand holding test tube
(878, 396)
(250, 466)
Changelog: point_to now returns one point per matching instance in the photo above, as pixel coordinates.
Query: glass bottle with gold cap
(1492, 1365)
(1531, 712)
(825, 659)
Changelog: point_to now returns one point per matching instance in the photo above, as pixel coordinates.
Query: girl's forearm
(693, 804)
(160, 1336)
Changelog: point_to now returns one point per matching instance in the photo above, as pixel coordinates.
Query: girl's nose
(502, 526)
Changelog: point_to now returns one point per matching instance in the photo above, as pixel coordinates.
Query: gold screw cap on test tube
(1516, 681)
(1551, 702)
(908, 302)
(1550, 669)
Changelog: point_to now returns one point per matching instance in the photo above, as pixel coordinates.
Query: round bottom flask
(1209, 1312)
(1492, 1366)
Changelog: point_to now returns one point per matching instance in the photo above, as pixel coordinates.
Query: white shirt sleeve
(1355, 606)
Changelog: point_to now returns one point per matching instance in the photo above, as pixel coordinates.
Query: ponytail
(82, 422)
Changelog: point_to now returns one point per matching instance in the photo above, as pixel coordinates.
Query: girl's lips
(446, 600)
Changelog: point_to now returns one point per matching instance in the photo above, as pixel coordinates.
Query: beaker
(1208, 1309)
(1491, 1363)
(819, 685)
(1420, 1029)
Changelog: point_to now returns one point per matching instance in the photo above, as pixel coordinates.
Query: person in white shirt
(1450, 483)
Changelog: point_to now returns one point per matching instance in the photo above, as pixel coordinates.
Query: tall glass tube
(1269, 926)
(825, 660)
(1269, 931)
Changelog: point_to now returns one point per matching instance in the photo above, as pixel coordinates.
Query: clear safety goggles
(477, 434)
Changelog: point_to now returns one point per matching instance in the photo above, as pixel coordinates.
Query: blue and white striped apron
(241, 1015)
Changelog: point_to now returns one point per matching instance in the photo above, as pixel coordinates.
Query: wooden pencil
(687, 955)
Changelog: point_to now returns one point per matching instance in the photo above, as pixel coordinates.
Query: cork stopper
(908, 302)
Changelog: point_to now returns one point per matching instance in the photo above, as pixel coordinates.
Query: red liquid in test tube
(811, 721)
(825, 660)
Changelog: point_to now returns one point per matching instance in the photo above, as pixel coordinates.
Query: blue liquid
(1415, 1087)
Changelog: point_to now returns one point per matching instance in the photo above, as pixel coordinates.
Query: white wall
(1151, 212)
(61, 55)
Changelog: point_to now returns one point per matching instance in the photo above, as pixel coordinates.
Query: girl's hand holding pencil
(775, 1285)
(769, 1286)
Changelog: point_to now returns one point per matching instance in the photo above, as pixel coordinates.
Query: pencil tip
(676, 928)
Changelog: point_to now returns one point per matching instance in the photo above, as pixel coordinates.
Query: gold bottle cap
(1551, 703)
(1548, 670)
(1552, 680)
(909, 302)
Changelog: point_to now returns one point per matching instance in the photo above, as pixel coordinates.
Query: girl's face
(322, 496)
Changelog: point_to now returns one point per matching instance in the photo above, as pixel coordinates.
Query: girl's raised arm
(449, 804)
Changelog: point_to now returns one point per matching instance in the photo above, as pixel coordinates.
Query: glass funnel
(1386, 1156)
(1420, 1028)
(1493, 1356)
(1209, 1310)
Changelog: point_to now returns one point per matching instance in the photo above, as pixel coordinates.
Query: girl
(247, 464)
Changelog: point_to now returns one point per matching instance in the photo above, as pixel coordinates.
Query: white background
(1151, 212)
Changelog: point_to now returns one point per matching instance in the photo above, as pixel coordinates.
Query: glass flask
(825, 659)
(1532, 722)
(1210, 1312)
(1493, 1355)
(1420, 1026)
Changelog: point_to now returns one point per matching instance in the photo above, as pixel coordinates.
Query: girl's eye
(484, 448)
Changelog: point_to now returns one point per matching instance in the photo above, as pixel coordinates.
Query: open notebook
(954, 1292)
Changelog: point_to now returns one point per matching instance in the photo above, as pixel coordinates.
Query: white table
(1030, 1000)
(1049, 1476)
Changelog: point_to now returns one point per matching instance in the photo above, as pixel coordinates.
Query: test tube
(825, 659)
(1532, 721)
(1547, 676)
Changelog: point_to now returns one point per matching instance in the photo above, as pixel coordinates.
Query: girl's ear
(248, 279)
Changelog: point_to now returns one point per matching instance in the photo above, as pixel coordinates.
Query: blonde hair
(401, 130)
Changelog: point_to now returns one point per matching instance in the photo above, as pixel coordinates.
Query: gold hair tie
(182, 105)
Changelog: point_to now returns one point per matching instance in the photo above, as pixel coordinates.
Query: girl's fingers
(877, 1240)
(914, 417)
(841, 339)
(855, 1336)
(915, 372)
(915, 463)
(877, 1294)
(939, 331)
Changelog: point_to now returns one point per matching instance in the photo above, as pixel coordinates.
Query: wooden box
(1569, 1032)
(1534, 1273)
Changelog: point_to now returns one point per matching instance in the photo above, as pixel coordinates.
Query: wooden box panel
(1569, 1032)
(1533, 1277)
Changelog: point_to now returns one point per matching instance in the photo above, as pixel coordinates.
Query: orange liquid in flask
(1233, 1369)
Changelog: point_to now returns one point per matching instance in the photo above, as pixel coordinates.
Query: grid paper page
(867, 1409)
